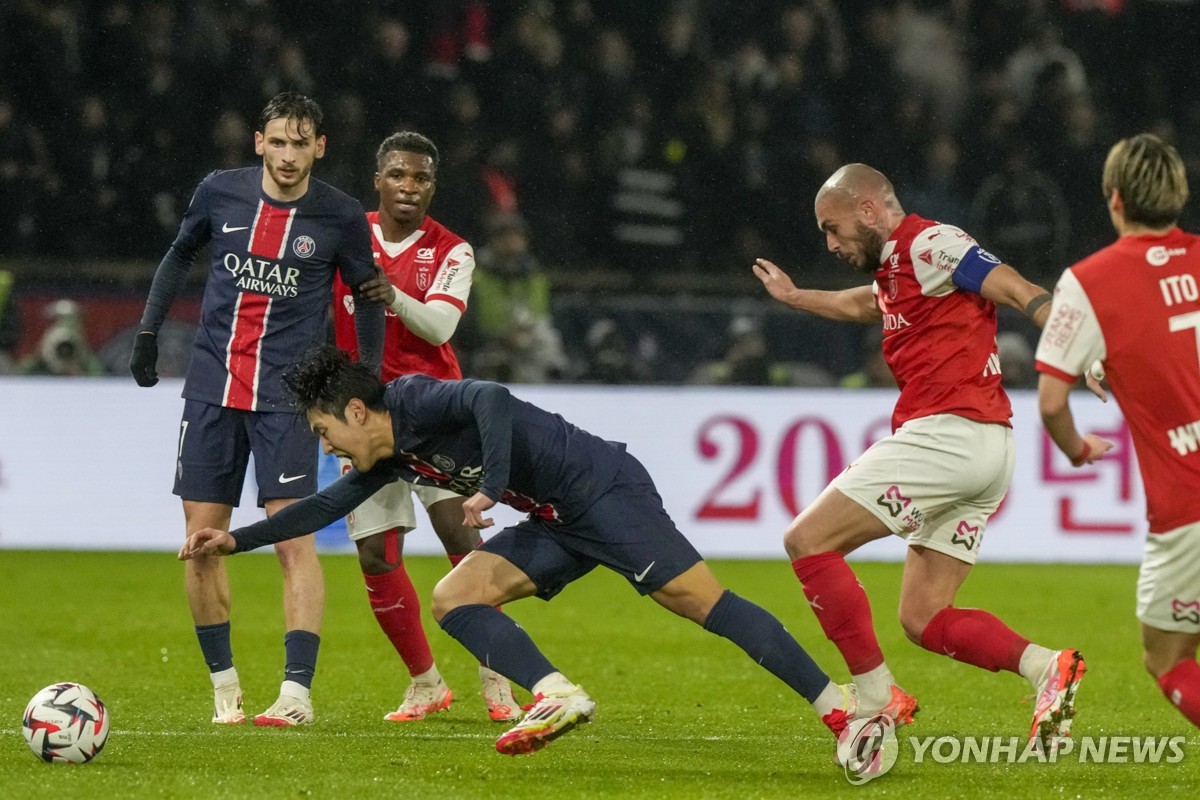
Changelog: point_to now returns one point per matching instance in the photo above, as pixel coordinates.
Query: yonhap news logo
(870, 757)
(1018, 750)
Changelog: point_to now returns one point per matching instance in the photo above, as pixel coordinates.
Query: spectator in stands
(746, 360)
(63, 349)
(510, 324)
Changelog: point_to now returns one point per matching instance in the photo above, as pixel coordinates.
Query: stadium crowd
(673, 139)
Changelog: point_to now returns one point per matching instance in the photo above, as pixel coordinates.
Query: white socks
(874, 688)
(430, 677)
(224, 678)
(831, 698)
(1034, 662)
(554, 683)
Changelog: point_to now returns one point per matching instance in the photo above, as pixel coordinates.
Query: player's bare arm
(1055, 407)
(207, 542)
(1005, 286)
(847, 305)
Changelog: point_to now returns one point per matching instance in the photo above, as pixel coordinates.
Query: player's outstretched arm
(434, 321)
(847, 305)
(207, 542)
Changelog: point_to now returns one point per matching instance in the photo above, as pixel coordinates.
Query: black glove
(144, 359)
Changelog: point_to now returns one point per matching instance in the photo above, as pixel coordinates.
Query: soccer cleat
(286, 712)
(900, 708)
(498, 694)
(1054, 708)
(421, 700)
(552, 715)
(227, 705)
(839, 718)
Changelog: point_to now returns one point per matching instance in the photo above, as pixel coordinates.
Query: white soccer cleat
(227, 705)
(498, 694)
(286, 712)
(421, 700)
(1054, 708)
(552, 715)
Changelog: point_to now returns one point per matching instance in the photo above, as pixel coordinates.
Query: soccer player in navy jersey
(590, 503)
(277, 236)
(947, 465)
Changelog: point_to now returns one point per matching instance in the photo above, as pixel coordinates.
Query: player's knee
(447, 596)
(914, 620)
(1159, 662)
(297, 552)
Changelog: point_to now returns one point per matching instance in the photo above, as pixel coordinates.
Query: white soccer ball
(65, 722)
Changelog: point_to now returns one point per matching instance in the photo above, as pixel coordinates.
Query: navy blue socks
(498, 642)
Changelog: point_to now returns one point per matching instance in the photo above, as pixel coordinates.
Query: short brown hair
(1150, 177)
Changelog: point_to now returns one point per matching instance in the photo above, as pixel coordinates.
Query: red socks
(974, 637)
(1182, 687)
(398, 612)
(842, 608)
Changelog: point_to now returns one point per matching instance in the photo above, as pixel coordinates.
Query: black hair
(409, 142)
(326, 380)
(293, 105)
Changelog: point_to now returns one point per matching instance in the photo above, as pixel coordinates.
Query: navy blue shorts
(215, 444)
(626, 530)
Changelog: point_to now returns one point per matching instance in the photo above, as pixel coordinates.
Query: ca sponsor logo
(425, 254)
(1158, 255)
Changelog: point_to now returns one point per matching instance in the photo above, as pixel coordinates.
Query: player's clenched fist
(207, 542)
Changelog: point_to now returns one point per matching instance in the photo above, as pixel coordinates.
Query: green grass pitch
(681, 714)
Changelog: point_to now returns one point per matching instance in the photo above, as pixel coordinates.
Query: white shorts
(936, 481)
(1168, 589)
(390, 507)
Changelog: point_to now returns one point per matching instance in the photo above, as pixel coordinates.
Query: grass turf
(681, 713)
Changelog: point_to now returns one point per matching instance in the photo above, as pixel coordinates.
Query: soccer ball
(65, 722)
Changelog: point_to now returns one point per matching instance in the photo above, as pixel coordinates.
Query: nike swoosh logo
(285, 479)
(226, 229)
(638, 576)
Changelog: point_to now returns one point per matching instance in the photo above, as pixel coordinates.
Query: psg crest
(304, 246)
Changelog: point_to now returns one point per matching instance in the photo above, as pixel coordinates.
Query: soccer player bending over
(425, 281)
(590, 503)
(947, 465)
(1135, 307)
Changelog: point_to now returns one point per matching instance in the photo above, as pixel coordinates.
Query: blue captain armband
(973, 268)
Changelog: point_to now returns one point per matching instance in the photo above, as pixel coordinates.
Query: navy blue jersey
(269, 281)
(467, 436)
